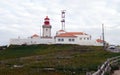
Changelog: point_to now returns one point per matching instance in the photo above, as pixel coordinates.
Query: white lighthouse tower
(46, 28)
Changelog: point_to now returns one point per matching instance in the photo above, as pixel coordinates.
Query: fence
(106, 65)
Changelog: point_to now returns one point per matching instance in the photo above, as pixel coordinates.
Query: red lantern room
(46, 22)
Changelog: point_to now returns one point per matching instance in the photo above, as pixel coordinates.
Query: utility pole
(103, 36)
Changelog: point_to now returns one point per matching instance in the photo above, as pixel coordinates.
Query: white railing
(106, 65)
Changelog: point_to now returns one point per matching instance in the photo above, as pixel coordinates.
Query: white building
(61, 37)
(79, 38)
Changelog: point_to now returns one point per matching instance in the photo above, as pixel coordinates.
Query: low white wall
(30, 41)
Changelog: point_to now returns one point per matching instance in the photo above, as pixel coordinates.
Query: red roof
(70, 34)
(99, 40)
(77, 33)
(61, 31)
(35, 35)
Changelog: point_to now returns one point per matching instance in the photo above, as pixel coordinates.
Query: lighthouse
(46, 28)
(61, 37)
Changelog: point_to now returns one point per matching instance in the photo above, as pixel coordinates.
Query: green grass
(22, 51)
(65, 59)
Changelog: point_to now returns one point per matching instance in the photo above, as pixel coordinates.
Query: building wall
(65, 40)
(80, 40)
(30, 41)
(76, 41)
(46, 32)
(57, 40)
(85, 40)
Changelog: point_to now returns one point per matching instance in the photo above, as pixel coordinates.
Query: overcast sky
(25, 17)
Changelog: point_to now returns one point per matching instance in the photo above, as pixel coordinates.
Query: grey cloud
(24, 17)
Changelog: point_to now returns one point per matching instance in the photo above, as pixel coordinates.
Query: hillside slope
(52, 59)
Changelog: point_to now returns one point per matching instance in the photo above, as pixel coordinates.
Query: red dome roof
(46, 18)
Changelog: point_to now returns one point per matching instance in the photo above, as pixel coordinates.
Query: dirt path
(117, 72)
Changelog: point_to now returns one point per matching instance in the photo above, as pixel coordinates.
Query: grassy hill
(52, 59)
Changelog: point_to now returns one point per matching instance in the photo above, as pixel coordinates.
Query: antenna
(63, 19)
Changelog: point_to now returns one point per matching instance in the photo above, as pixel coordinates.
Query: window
(84, 38)
(73, 39)
(60, 39)
(46, 29)
(87, 38)
(80, 38)
(34, 42)
(69, 39)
